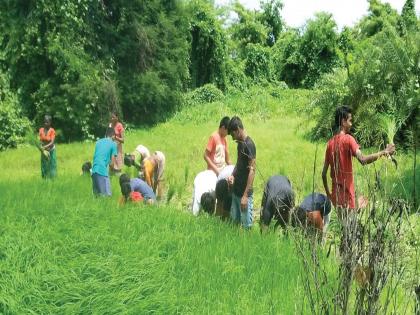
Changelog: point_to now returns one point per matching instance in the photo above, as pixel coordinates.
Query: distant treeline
(78, 60)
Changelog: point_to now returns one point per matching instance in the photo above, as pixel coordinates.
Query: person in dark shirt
(243, 175)
(314, 211)
(278, 201)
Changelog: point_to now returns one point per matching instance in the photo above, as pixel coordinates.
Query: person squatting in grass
(119, 140)
(48, 157)
(338, 157)
(153, 168)
(277, 202)
(136, 159)
(314, 211)
(135, 190)
(242, 177)
(103, 157)
(216, 153)
(204, 182)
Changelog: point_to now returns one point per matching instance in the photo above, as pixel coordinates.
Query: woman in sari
(48, 155)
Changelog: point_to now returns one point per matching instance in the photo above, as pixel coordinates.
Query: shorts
(101, 185)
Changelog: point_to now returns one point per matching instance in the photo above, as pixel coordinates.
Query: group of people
(224, 189)
(227, 190)
(146, 183)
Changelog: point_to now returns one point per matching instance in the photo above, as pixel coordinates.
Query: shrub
(14, 125)
(208, 93)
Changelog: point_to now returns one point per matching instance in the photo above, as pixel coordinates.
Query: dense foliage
(80, 60)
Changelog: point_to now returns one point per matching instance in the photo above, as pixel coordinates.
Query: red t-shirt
(217, 146)
(340, 150)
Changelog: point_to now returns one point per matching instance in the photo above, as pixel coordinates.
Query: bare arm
(49, 145)
(251, 176)
(367, 159)
(227, 157)
(210, 163)
(325, 179)
(120, 139)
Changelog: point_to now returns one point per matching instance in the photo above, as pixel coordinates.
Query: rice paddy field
(64, 252)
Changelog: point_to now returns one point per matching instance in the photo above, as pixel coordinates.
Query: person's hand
(230, 180)
(244, 203)
(390, 149)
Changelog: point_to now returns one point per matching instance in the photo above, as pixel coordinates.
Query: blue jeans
(101, 185)
(244, 217)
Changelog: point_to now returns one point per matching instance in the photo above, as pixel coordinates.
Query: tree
(270, 17)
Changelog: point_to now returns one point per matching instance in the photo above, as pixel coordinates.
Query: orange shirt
(217, 147)
(118, 129)
(340, 150)
(46, 138)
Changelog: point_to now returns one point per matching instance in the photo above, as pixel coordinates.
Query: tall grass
(62, 251)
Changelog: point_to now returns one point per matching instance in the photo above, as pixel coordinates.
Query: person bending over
(278, 201)
(133, 188)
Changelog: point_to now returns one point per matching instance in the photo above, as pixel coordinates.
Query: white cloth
(226, 172)
(205, 181)
(145, 153)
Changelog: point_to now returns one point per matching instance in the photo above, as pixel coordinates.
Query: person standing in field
(277, 202)
(243, 175)
(104, 156)
(136, 159)
(216, 153)
(48, 153)
(153, 168)
(338, 157)
(341, 148)
(119, 140)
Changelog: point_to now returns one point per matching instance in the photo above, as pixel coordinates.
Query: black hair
(223, 195)
(86, 167)
(109, 132)
(125, 189)
(298, 217)
(234, 124)
(341, 113)
(208, 202)
(224, 122)
(128, 161)
(124, 178)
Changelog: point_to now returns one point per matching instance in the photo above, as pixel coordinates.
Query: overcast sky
(345, 12)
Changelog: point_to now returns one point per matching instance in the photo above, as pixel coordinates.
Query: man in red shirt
(338, 156)
(216, 154)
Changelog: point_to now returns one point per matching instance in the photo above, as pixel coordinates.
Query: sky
(345, 12)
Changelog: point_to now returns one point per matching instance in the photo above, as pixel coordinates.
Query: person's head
(115, 117)
(86, 167)
(47, 121)
(235, 127)
(125, 185)
(343, 119)
(208, 202)
(109, 132)
(298, 217)
(128, 160)
(223, 195)
(124, 178)
(223, 126)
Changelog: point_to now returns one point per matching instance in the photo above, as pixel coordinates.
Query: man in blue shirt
(105, 153)
(136, 185)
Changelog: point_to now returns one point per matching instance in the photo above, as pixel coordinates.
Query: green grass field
(64, 252)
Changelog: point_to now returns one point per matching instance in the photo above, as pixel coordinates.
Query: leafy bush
(208, 93)
(14, 124)
(258, 63)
